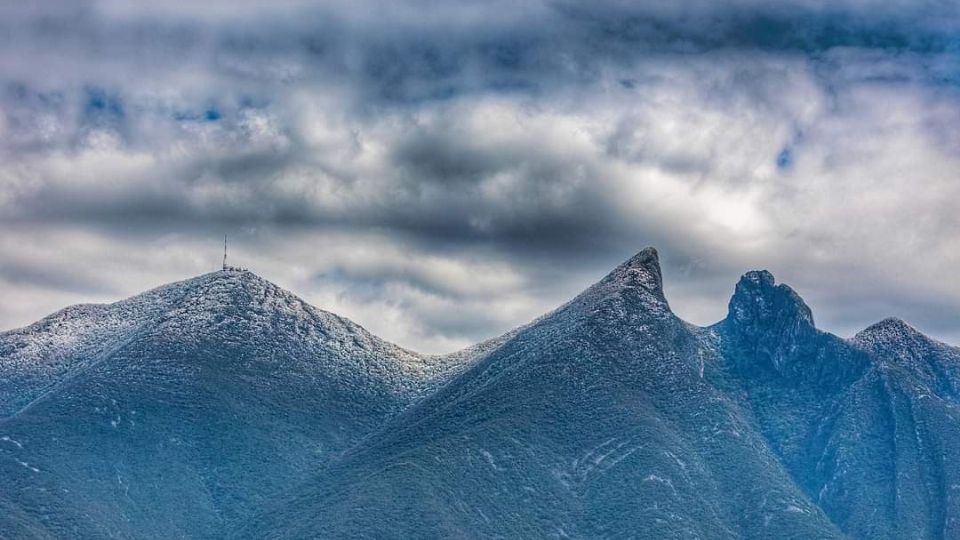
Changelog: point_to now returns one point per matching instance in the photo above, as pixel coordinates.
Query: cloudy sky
(443, 171)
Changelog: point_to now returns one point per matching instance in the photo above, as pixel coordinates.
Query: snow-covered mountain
(179, 411)
(223, 405)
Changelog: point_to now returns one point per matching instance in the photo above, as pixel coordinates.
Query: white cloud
(439, 195)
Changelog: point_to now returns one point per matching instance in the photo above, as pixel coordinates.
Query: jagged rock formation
(866, 427)
(225, 405)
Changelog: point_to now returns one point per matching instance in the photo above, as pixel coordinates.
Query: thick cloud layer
(443, 171)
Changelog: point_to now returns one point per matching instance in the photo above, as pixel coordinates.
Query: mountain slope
(178, 411)
(34, 358)
(593, 422)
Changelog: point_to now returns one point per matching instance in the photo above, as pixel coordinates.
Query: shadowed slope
(866, 427)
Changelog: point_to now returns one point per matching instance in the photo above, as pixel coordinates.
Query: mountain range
(224, 406)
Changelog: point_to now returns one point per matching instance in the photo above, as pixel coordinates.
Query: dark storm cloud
(416, 54)
(548, 139)
(27, 273)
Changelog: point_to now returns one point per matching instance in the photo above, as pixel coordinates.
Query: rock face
(866, 427)
(224, 405)
(769, 323)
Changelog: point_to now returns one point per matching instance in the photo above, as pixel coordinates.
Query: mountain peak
(759, 277)
(768, 319)
(642, 270)
(636, 283)
(888, 331)
(758, 299)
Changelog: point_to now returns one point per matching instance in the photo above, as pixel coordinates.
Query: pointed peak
(642, 270)
(645, 257)
(893, 322)
(637, 283)
(758, 299)
(888, 330)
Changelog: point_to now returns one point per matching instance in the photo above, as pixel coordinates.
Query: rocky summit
(224, 406)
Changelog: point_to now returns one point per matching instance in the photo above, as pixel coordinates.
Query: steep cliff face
(769, 334)
(851, 420)
(765, 312)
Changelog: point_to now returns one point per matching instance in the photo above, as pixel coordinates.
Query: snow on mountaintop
(36, 356)
(232, 301)
(896, 344)
(889, 330)
(894, 336)
(229, 306)
(637, 283)
(640, 271)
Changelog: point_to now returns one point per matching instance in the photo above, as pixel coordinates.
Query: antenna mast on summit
(224, 252)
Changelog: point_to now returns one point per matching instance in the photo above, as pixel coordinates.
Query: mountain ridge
(223, 361)
(753, 275)
(606, 415)
(65, 333)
